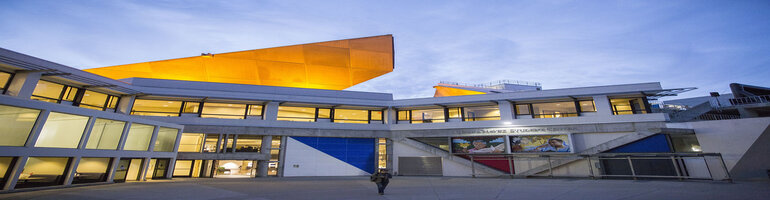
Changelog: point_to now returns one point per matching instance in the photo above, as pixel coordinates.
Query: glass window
(70, 93)
(276, 143)
(554, 110)
(42, 171)
(47, 91)
(210, 144)
(428, 116)
(248, 143)
(93, 100)
(62, 131)
(351, 116)
(228, 147)
(91, 170)
(191, 142)
(183, 168)
(191, 107)
(297, 114)
(522, 109)
(4, 79)
(105, 134)
(627, 106)
(403, 115)
(454, 113)
(255, 110)
(162, 108)
(166, 139)
(587, 106)
(113, 102)
(223, 110)
(685, 143)
(16, 123)
(5, 164)
(324, 113)
(383, 153)
(376, 115)
(139, 136)
(482, 113)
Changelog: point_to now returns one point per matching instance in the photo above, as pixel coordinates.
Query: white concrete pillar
(506, 110)
(15, 173)
(262, 165)
(41, 119)
(602, 104)
(124, 135)
(271, 111)
(73, 168)
(113, 169)
(153, 139)
(23, 84)
(391, 116)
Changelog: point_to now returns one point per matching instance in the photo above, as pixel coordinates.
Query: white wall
(303, 160)
(731, 138)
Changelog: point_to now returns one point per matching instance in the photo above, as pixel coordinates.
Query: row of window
(50, 171)
(5, 80)
(477, 113)
(62, 130)
(222, 143)
(58, 93)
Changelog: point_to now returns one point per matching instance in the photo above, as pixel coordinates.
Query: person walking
(381, 178)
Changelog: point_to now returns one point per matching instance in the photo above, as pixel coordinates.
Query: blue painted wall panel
(653, 144)
(358, 152)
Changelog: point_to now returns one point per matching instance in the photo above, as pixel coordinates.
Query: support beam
(23, 84)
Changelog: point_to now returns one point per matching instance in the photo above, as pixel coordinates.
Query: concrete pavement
(407, 188)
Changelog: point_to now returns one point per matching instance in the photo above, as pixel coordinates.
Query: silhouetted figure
(381, 178)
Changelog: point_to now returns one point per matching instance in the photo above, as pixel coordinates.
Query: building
(282, 112)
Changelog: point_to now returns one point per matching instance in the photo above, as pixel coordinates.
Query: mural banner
(478, 145)
(541, 143)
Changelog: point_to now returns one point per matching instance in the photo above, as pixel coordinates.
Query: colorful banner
(540, 143)
(478, 145)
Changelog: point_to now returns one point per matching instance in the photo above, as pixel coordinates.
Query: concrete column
(506, 110)
(16, 170)
(145, 167)
(265, 149)
(391, 116)
(125, 104)
(235, 142)
(73, 168)
(41, 119)
(281, 156)
(113, 169)
(271, 111)
(87, 133)
(23, 84)
(603, 107)
(170, 168)
(153, 139)
(172, 162)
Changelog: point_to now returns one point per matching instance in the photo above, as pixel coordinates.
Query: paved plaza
(406, 188)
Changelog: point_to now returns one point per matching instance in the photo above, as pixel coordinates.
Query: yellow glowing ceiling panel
(334, 65)
(442, 91)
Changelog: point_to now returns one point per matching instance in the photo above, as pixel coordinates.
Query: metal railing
(750, 100)
(493, 83)
(717, 117)
(681, 166)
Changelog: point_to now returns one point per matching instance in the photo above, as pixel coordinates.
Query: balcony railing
(750, 100)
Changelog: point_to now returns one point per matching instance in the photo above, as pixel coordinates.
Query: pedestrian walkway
(406, 188)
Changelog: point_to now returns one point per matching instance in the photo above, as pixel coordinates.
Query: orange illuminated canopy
(333, 65)
(444, 91)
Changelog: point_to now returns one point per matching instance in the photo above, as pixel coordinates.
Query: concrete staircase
(617, 142)
(448, 156)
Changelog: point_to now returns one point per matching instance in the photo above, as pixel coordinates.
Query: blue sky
(704, 44)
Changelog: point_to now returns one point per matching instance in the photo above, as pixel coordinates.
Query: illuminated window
(248, 143)
(210, 144)
(587, 106)
(255, 110)
(43, 171)
(351, 116)
(94, 100)
(428, 116)
(403, 115)
(227, 146)
(627, 106)
(5, 78)
(48, 91)
(275, 156)
(5, 164)
(183, 168)
(62, 131)
(91, 170)
(324, 113)
(685, 143)
(376, 115)
(105, 134)
(454, 113)
(522, 109)
(70, 93)
(191, 142)
(482, 113)
(16, 125)
(223, 110)
(162, 108)
(298, 114)
(191, 107)
(382, 147)
(166, 139)
(139, 136)
(554, 110)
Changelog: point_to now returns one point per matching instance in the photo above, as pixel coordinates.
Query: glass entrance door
(235, 169)
(128, 170)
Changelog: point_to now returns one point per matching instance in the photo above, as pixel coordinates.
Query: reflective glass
(522, 109)
(42, 171)
(300, 114)
(191, 142)
(428, 116)
(16, 123)
(4, 79)
(156, 108)
(554, 110)
(139, 136)
(105, 134)
(47, 91)
(223, 110)
(166, 139)
(482, 113)
(93, 100)
(62, 131)
(627, 106)
(91, 170)
(191, 107)
(587, 106)
(351, 116)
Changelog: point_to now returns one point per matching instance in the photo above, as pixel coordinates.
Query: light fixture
(507, 123)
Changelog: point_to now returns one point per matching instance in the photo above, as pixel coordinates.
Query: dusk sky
(704, 44)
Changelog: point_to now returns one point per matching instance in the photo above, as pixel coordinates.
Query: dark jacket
(381, 177)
